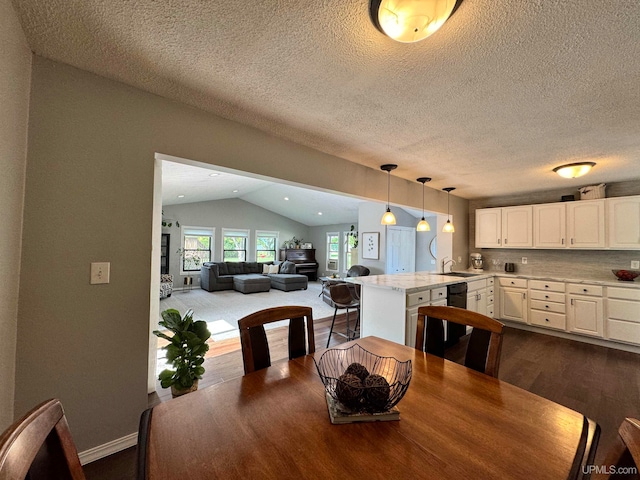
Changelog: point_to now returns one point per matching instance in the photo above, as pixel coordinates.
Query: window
(266, 246)
(234, 245)
(196, 248)
(333, 250)
(349, 243)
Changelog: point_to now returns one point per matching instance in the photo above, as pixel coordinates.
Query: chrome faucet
(445, 263)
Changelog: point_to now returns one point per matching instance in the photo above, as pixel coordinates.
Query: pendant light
(423, 225)
(409, 21)
(574, 170)
(448, 227)
(388, 218)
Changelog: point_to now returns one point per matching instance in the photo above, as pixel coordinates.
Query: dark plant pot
(175, 392)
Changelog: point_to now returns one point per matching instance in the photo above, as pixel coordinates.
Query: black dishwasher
(456, 297)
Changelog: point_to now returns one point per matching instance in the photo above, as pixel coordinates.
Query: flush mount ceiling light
(388, 218)
(448, 227)
(423, 225)
(574, 170)
(409, 21)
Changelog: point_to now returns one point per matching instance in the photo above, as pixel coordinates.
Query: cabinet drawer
(418, 298)
(624, 293)
(490, 291)
(583, 289)
(546, 286)
(513, 282)
(623, 310)
(490, 311)
(548, 306)
(549, 319)
(547, 296)
(476, 285)
(439, 294)
(627, 332)
(490, 281)
(489, 299)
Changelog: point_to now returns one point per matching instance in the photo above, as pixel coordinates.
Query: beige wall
(15, 76)
(89, 196)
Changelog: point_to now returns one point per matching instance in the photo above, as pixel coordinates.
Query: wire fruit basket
(361, 381)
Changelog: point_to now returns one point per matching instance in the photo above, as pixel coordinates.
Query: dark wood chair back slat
(253, 338)
(485, 342)
(39, 446)
(624, 456)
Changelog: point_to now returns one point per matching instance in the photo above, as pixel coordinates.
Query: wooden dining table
(455, 423)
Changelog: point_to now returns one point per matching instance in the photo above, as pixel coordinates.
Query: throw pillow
(273, 268)
(265, 268)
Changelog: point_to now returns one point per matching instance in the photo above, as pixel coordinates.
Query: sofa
(251, 277)
(354, 271)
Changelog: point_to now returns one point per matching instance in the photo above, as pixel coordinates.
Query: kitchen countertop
(590, 281)
(415, 282)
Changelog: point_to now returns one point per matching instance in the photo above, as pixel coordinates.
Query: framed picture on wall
(371, 245)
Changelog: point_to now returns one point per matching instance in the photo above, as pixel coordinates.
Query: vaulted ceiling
(502, 93)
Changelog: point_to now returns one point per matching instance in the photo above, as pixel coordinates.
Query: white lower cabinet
(477, 296)
(623, 315)
(547, 304)
(585, 314)
(512, 299)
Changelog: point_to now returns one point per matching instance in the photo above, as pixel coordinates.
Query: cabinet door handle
(563, 241)
(498, 241)
(546, 319)
(419, 298)
(572, 301)
(572, 241)
(546, 296)
(524, 296)
(546, 286)
(505, 241)
(584, 290)
(546, 306)
(513, 283)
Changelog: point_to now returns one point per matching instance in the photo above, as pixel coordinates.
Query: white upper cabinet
(507, 227)
(517, 227)
(585, 224)
(611, 223)
(489, 228)
(623, 215)
(549, 225)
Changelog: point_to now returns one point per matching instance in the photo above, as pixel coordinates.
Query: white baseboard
(109, 448)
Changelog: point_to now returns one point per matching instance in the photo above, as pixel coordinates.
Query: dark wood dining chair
(342, 298)
(624, 456)
(253, 338)
(40, 445)
(485, 342)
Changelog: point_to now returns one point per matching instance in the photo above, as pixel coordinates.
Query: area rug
(222, 310)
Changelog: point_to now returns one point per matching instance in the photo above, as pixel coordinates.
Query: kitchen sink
(461, 274)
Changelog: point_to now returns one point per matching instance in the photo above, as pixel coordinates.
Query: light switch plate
(524, 260)
(635, 263)
(100, 272)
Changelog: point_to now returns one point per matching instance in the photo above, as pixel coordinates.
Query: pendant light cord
(423, 202)
(388, 187)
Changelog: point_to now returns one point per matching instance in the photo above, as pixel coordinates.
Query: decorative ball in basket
(362, 381)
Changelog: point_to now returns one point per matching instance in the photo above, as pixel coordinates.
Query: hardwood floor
(601, 383)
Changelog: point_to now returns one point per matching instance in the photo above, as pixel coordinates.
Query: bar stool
(342, 299)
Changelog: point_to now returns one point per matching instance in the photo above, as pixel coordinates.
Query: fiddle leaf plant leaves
(186, 349)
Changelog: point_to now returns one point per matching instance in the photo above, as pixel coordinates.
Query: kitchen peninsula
(600, 311)
(389, 303)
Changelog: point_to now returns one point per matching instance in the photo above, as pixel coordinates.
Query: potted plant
(186, 351)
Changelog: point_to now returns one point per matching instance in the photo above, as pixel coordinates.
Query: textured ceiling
(502, 93)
